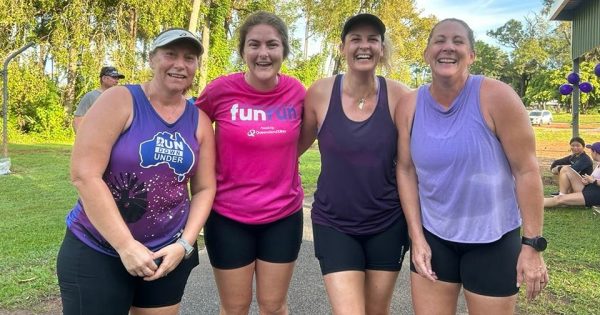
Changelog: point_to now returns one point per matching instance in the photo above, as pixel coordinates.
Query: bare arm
(406, 176)
(105, 121)
(315, 105)
(505, 114)
(76, 122)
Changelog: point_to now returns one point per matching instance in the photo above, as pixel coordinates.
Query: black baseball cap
(111, 72)
(364, 18)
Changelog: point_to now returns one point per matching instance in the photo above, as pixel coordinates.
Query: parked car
(540, 117)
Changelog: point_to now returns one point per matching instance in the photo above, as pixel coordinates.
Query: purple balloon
(565, 89)
(586, 87)
(573, 78)
(597, 70)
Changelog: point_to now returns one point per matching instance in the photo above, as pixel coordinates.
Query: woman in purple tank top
(359, 231)
(131, 237)
(468, 178)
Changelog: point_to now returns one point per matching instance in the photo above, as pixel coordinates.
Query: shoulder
(396, 90)
(495, 89)
(319, 92)
(499, 98)
(292, 82)
(226, 81)
(321, 87)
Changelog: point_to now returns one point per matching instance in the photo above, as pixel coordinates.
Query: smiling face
(362, 48)
(263, 54)
(576, 147)
(449, 51)
(175, 65)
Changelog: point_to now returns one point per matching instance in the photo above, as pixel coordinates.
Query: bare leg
(569, 181)
(429, 297)
(573, 199)
(346, 292)
(235, 289)
(272, 283)
(379, 288)
(488, 305)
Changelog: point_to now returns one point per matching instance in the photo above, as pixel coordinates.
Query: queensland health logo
(170, 149)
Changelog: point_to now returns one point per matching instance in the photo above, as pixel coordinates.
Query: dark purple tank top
(356, 190)
(148, 173)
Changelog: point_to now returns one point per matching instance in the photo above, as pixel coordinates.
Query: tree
(490, 60)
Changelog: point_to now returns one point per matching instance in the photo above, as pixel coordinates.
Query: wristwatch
(538, 243)
(189, 249)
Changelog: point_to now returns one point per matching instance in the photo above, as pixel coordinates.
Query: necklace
(361, 103)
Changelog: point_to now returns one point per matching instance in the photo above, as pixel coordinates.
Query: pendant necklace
(362, 101)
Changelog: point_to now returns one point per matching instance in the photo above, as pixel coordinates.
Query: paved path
(307, 292)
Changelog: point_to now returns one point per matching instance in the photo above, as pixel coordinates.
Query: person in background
(585, 189)
(130, 243)
(359, 230)
(255, 228)
(470, 184)
(109, 77)
(571, 168)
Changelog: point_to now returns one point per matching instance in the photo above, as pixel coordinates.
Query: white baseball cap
(176, 34)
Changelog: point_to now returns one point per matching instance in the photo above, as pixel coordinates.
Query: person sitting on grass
(585, 191)
(579, 162)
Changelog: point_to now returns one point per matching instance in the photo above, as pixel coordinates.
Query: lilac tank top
(466, 188)
(148, 173)
(356, 190)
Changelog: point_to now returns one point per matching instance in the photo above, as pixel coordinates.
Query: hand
(171, 256)
(532, 271)
(421, 258)
(137, 259)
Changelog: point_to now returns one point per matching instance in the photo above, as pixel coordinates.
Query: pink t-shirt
(257, 157)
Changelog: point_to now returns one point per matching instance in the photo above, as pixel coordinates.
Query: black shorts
(591, 195)
(339, 251)
(95, 283)
(231, 244)
(488, 269)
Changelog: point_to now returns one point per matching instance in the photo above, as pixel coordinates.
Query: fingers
(422, 265)
(537, 282)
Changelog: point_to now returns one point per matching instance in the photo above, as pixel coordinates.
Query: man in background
(109, 77)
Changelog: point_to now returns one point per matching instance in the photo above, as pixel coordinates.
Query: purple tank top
(356, 190)
(148, 172)
(466, 188)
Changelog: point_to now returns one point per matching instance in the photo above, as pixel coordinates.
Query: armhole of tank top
(134, 109)
(478, 79)
(414, 114)
(337, 77)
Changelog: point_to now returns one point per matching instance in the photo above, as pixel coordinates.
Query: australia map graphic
(170, 149)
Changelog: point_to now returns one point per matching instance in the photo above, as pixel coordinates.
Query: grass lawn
(36, 197)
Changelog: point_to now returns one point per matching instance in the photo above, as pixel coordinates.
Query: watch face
(540, 244)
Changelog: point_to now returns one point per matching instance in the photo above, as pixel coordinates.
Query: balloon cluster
(574, 79)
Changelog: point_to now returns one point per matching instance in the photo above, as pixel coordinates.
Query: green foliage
(307, 71)
(490, 61)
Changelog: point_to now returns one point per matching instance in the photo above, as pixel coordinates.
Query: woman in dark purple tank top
(359, 229)
(130, 241)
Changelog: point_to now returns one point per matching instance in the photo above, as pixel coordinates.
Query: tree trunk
(69, 94)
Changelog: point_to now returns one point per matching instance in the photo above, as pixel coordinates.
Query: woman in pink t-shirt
(255, 228)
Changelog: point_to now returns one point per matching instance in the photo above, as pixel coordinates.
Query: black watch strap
(539, 243)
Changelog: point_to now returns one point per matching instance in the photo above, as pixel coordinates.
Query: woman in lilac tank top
(131, 237)
(469, 182)
(359, 230)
